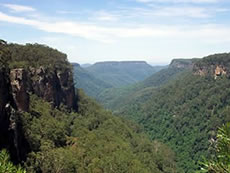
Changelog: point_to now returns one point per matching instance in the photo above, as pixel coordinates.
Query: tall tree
(4, 54)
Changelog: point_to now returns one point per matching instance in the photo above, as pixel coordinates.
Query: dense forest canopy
(36, 55)
(91, 140)
(184, 112)
(87, 81)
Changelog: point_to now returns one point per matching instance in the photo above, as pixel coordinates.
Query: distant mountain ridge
(183, 63)
(111, 97)
(85, 65)
(121, 73)
(104, 75)
(120, 62)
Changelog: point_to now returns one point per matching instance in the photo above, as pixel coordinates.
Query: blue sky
(97, 30)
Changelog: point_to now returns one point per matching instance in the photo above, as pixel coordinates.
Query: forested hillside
(122, 73)
(111, 98)
(48, 127)
(185, 112)
(99, 77)
(88, 82)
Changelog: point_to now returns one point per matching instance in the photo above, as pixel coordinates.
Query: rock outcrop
(55, 87)
(19, 81)
(213, 66)
(182, 63)
(11, 132)
(214, 70)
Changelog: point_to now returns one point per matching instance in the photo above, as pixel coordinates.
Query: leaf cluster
(6, 166)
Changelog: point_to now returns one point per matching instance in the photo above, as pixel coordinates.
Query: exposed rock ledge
(213, 70)
(55, 87)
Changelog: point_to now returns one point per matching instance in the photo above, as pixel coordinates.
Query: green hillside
(91, 140)
(111, 98)
(88, 82)
(185, 112)
(122, 73)
(104, 77)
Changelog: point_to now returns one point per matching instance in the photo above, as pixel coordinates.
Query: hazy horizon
(150, 63)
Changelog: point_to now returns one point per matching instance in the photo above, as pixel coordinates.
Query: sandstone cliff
(182, 63)
(214, 65)
(11, 132)
(55, 86)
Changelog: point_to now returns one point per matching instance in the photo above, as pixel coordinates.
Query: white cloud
(174, 12)
(194, 12)
(207, 33)
(106, 16)
(67, 12)
(19, 8)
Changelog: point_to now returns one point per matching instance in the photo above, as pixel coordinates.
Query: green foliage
(87, 81)
(119, 74)
(6, 166)
(4, 54)
(92, 140)
(100, 78)
(221, 163)
(36, 55)
(220, 59)
(116, 98)
(185, 115)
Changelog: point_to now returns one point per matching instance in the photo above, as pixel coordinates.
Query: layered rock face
(214, 70)
(214, 65)
(55, 87)
(182, 63)
(11, 132)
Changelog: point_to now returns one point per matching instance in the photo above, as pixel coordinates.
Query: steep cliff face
(54, 86)
(18, 80)
(213, 70)
(11, 133)
(5, 102)
(214, 65)
(182, 63)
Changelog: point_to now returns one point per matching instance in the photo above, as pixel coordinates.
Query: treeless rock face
(220, 71)
(182, 63)
(200, 72)
(213, 70)
(18, 78)
(55, 87)
(11, 133)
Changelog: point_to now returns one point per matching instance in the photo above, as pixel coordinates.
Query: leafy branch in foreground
(222, 162)
(6, 166)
